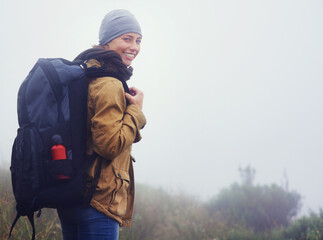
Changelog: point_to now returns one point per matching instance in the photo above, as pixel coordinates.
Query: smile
(130, 55)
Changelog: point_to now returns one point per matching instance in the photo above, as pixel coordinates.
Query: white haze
(226, 83)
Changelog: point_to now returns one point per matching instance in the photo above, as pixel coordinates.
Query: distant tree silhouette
(256, 207)
(247, 175)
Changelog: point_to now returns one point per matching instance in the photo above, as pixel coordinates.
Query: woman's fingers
(136, 97)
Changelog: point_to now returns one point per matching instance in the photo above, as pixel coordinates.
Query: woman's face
(127, 45)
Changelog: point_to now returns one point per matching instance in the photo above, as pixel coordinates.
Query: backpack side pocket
(26, 168)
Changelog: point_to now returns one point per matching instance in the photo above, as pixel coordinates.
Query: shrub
(307, 228)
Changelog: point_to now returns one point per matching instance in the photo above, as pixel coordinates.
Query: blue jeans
(86, 223)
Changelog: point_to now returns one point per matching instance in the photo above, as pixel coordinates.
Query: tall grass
(160, 215)
(47, 225)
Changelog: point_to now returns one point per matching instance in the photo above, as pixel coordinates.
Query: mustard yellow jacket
(112, 129)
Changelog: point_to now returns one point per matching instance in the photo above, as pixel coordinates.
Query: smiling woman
(115, 119)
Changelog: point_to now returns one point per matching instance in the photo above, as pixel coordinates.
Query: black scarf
(111, 62)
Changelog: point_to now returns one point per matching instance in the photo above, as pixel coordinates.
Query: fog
(227, 84)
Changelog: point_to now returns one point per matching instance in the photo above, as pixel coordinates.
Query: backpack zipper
(52, 76)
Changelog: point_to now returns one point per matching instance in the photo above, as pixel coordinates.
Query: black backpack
(52, 110)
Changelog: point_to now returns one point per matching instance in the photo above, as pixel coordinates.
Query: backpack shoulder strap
(96, 177)
(13, 224)
(31, 220)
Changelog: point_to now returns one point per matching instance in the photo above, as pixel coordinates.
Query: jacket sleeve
(114, 125)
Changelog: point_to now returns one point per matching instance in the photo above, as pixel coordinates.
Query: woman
(115, 118)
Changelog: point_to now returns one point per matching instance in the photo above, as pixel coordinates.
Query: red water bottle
(58, 152)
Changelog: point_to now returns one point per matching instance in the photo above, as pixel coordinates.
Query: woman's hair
(103, 61)
(98, 46)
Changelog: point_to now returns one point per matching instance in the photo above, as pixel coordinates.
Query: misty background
(227, 84)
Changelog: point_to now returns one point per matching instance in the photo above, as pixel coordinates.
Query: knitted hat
(117, 23)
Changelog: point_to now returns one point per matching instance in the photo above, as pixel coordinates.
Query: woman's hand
(135, 97)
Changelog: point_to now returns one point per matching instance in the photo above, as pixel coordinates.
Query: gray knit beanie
(117, 23)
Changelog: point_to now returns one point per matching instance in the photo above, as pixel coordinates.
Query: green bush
(260, 208)
(306, 228)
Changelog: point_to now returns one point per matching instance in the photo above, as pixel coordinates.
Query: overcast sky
(226, 83)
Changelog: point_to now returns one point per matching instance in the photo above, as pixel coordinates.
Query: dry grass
(47, 226)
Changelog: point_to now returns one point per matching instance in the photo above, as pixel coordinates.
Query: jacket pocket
(118, 204)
